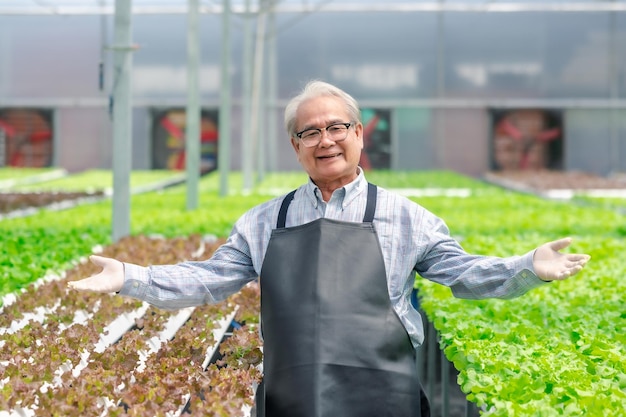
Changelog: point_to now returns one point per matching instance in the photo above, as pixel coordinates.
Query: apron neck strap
(282, 214)
(370, 209)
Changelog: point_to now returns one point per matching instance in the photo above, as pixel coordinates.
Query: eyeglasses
(336, 132)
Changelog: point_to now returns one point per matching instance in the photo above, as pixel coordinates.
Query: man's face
(328, 161)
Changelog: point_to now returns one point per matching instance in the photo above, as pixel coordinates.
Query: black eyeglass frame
(347, 125)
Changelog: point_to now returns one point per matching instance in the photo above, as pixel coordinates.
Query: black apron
(333, 345)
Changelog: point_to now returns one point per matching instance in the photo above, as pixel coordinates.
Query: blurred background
(471, 86)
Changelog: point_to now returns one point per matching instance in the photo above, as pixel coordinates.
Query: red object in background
(521, 139)
(174, 124)
(8, 129)
(178, 134)
(28, 138)
(20, 158)
(368, 129)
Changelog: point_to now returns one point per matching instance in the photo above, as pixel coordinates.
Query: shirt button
(135, 284)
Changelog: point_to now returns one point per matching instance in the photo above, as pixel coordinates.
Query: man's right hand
(110, 279)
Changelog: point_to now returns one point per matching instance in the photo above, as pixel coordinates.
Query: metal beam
(3, 138)
(247, 69)
(223, 147)
(449, 103)
(614, 92)
(122, 120)
(192, 125)
(257, 94)
(272, 90)
(334, 7)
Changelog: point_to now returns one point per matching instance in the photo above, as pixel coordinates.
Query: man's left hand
(551, 265)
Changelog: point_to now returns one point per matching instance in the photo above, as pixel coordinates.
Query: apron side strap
(282, 214)
(370, 209)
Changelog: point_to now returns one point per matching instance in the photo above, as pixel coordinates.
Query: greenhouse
(149, 131)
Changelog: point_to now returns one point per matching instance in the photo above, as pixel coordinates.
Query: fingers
(578, 257)
(559, 244)
(572, 266)
(98, 260)
(575, 265)
(97, 283)
(581, 259)
(110, 279)
(78, 285)
(82, 284)
(569, 272)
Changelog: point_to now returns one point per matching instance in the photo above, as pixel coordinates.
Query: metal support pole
(104, 80)
(192, 128)
(272, 83)
(257, 86)
(261, 139)
(56, 138)
(3, 144)
(247, 69)
(223, 156)
(440, 118)
(614, 95)
(122, 120)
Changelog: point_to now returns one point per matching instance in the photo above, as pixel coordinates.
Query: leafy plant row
(491, 221)
(55, 361)
(556, 351)
(50, 241)
(11, 177)
(89, 181)
(23, 201)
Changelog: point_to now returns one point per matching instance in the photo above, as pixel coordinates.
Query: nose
(325, 140)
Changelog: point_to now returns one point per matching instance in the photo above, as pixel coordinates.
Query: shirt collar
(350, 191)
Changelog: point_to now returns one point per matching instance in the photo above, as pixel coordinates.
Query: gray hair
(314, 89)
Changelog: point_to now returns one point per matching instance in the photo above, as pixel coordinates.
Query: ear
(296, 146)
(358, 130)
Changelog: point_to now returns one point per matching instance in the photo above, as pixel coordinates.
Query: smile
(334, 155)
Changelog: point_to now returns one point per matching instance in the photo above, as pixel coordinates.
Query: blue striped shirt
(412, 240)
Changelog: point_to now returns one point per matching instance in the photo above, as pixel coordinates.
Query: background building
(469, 86)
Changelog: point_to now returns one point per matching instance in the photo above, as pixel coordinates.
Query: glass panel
(395, 60)
(527, 55)
(588, 140)
(49, 56)
(160, 64)
(415, 148)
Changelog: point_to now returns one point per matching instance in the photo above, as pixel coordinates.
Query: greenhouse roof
(69, 7)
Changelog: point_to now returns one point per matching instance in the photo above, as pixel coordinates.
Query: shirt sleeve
(472, 276)
(193, 283)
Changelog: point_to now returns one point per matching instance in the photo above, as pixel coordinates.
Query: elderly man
(337, 259)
